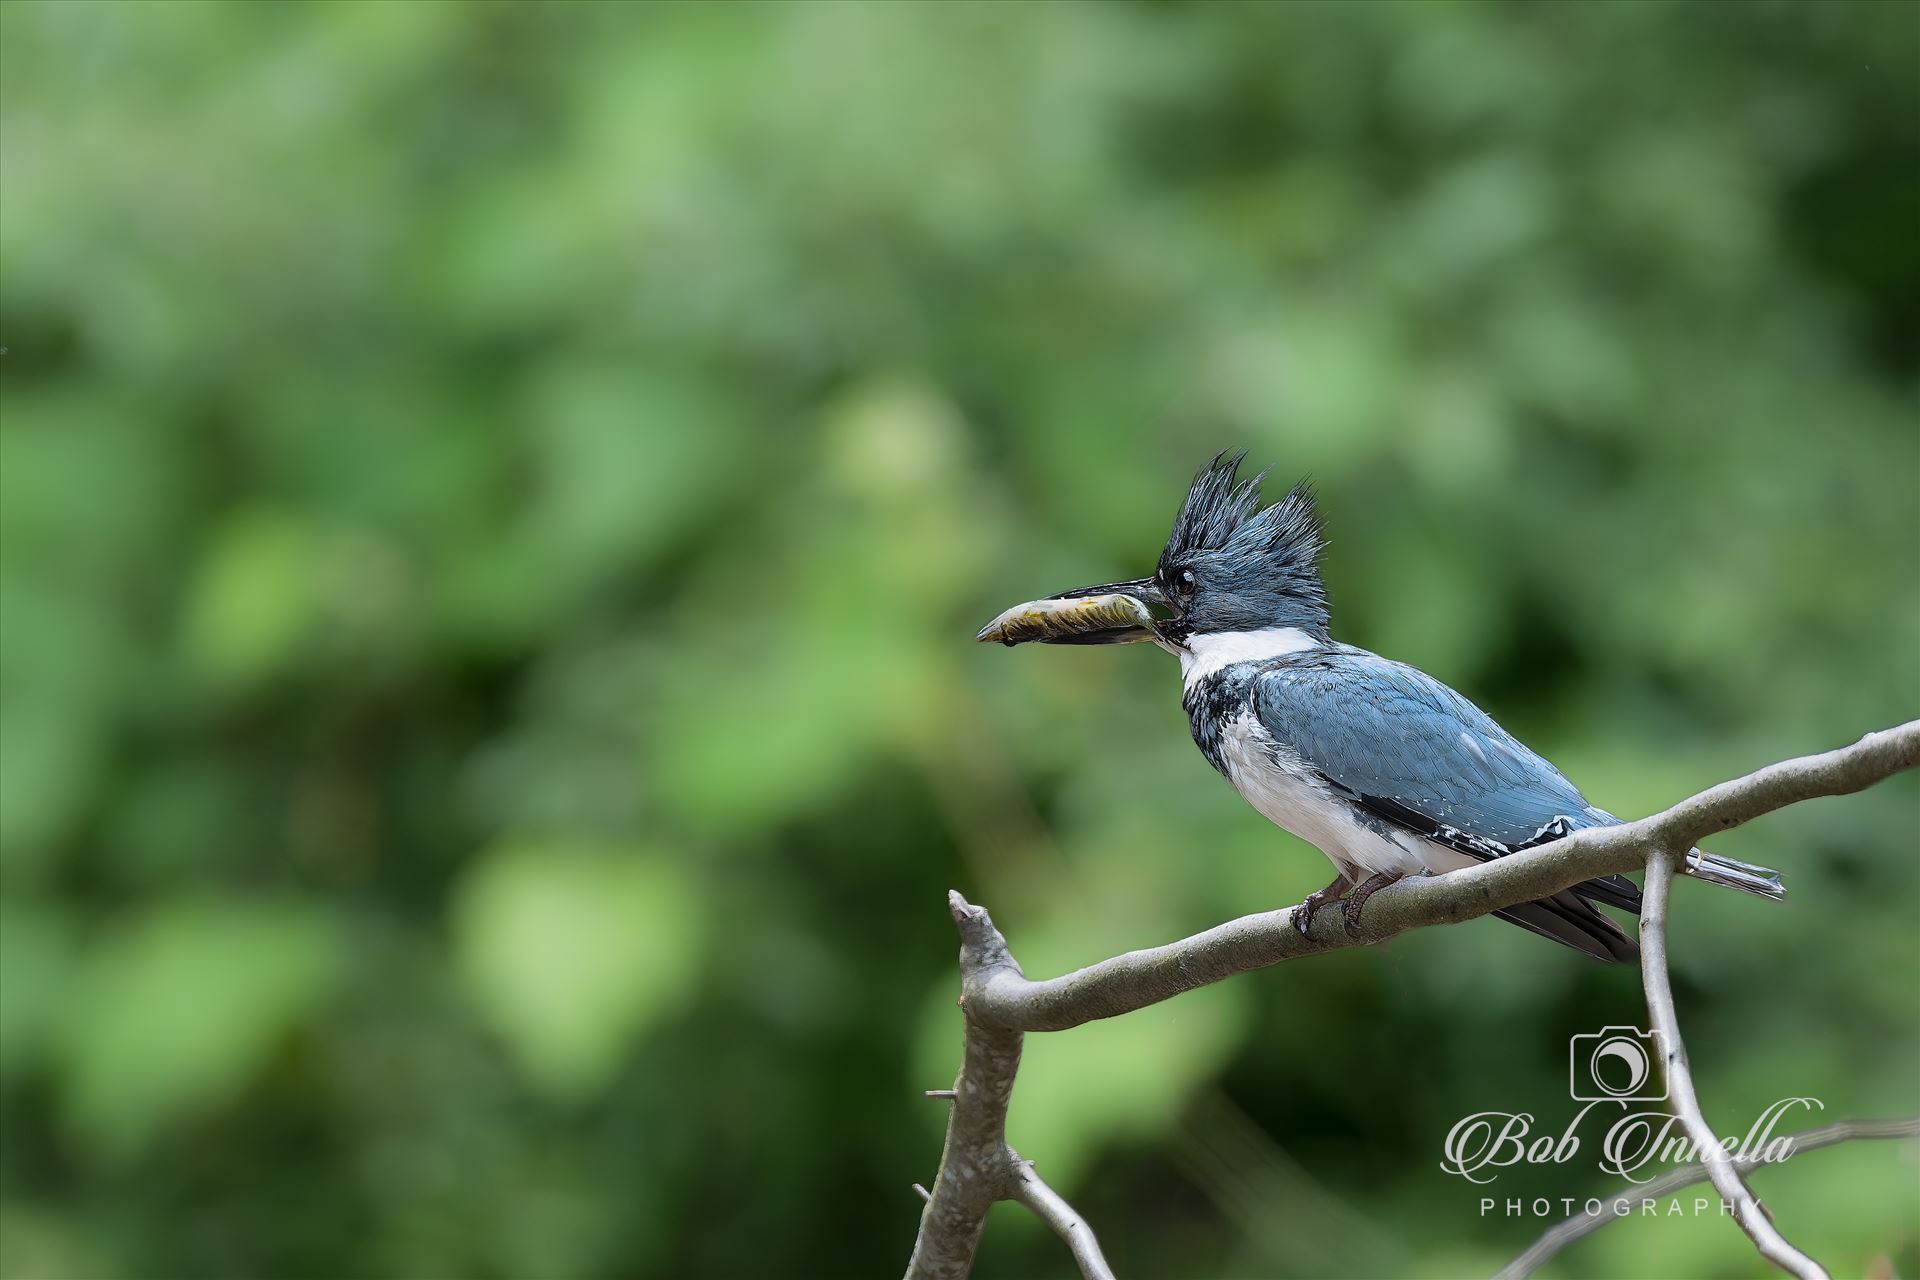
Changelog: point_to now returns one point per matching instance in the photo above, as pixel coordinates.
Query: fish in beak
(1117, 613)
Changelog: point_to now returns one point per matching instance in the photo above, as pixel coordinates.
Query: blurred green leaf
(36, 962)
(573, 953)
(35, 1241)
(254, 600)
(173, 1009)
(49, 764)
(1124, 1082)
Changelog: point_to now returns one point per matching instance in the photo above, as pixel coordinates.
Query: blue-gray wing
(1417, 754)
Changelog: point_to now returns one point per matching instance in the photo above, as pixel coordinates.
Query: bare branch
(1657, 896)
(976, 1167)
(1140, 978)
(1030, 1191)
(1562, 1234)
(999, 1004)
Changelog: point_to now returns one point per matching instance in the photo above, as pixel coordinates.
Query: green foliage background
(494, 505)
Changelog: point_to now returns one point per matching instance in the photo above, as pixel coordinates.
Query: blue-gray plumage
(1384, 768)
(1393, 737)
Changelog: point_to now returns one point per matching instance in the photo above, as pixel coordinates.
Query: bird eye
(1184, 587)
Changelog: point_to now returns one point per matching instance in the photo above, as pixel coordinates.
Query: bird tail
(1762, 881)
(1569, 919)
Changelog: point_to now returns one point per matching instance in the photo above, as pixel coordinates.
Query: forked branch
(999, 1003)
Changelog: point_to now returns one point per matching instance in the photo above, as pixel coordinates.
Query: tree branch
(1562, 1234)
(1140, 978)
(976, 1165)
(999, 1003)
(1066, 1223)
(1656, 897)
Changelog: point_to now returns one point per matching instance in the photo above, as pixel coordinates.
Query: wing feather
(1416, 753)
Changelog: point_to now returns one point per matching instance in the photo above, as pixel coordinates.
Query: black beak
(1116, 613)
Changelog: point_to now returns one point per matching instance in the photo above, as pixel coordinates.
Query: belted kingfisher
(1385, 769)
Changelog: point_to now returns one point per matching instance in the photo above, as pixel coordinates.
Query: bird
(1385, 769)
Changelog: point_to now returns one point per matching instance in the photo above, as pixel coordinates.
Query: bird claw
(1357, 901)
(1302, 917)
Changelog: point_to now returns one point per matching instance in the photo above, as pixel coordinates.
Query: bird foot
(1302, 918)
(1357, 901)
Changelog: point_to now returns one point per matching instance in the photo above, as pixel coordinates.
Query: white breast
(1271, 779)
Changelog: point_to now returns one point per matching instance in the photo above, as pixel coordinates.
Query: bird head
(1230, 565)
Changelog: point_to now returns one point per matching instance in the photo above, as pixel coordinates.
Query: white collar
(1205, 654)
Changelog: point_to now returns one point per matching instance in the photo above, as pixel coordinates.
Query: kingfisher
(1386, 770)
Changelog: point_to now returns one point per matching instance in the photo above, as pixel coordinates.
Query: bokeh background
(496, 501)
